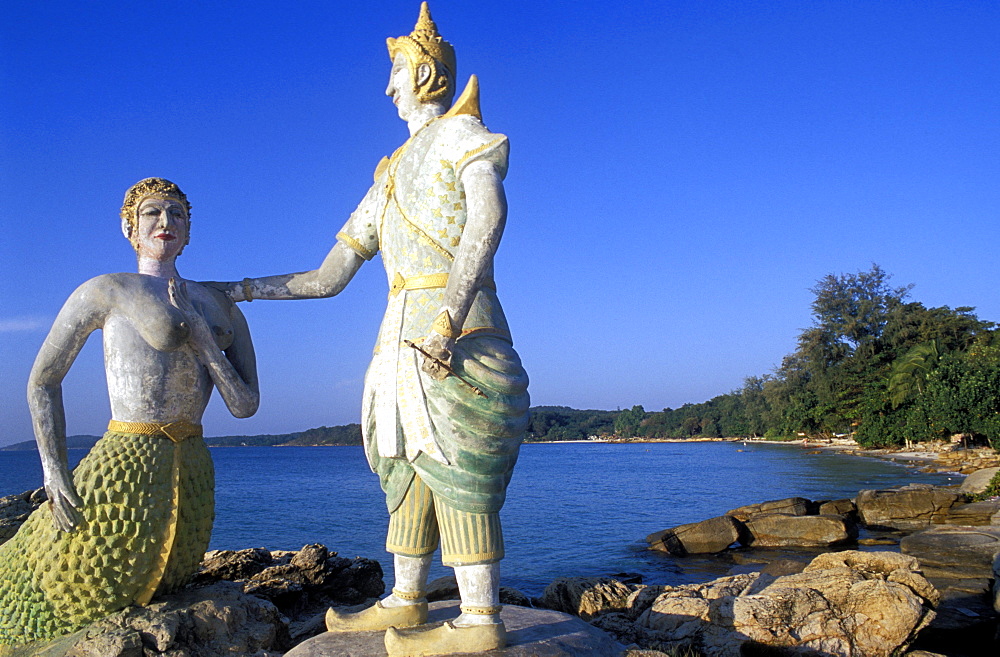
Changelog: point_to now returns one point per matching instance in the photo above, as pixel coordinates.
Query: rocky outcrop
(909, 508)
(848, 604)
(959, 561)
(585, 597)
(783, 530)
(791, 522)
(15, 509)
(795, 506)
(707, 536)
(295, 581)
(844, 507)
(218, 620)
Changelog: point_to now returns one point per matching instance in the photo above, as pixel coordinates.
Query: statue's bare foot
(377, 617)
(445, 639)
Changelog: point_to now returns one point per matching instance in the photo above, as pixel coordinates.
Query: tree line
(874, 365)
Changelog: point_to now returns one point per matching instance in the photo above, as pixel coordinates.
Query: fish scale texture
(52, 582)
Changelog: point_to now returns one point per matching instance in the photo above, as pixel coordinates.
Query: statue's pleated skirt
(148, 507)
(480, 435)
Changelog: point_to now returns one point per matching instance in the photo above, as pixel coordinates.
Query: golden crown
(425, 45)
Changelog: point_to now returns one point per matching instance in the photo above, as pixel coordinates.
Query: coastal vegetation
(873, 364)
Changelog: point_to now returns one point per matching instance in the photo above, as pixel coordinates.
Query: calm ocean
(572, 509)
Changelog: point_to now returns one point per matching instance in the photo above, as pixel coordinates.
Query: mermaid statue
(445, 405)
(134, 518)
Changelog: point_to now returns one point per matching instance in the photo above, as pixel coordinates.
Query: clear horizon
(681, 174)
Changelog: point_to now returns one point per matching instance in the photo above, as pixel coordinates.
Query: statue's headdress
(150, 188)
(425, 46)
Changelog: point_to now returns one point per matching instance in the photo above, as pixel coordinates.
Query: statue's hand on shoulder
(437, 356)
(63, 500)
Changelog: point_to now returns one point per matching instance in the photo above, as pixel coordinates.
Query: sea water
(573, 509)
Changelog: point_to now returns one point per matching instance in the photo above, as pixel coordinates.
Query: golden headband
(159, 188)
(425, 45)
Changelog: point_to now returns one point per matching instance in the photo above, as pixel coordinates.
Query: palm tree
(909, 372)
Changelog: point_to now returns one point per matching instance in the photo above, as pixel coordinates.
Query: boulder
(707, 536)
(302, 584)
(218, 620)
(843, 507)
(585, 597)
(973, 513)
(530, 633)
(954, 552)
(976, 482)
(796, 506)
(843, 604)
(783, 530)
(909, 508)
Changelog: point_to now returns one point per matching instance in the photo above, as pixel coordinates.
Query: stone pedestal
(530, 633)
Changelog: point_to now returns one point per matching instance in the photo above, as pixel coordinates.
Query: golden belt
(426, 282)
(175, 431)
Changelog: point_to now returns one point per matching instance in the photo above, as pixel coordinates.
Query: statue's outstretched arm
(234, 372)
(81, 315)
(486, 216)
(332, 276)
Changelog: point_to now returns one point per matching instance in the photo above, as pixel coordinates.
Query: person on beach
(134, 518)
(445, 403)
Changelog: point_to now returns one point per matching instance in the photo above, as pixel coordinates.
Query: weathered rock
(213, 621)
(783, 530)
(234, 565)
(976, 482)
(530, 633)
(707, 536)
(973, 514)
(844, 604)
(843, 507)
(796, 506)
(585, 597)
(911, 507)
(15, 509)
(954, 552)
(296, 582)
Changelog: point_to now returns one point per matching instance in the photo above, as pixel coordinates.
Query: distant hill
(348, 434)
(548, 423)
(72, 442)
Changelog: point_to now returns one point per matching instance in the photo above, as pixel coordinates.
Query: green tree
(628, 422)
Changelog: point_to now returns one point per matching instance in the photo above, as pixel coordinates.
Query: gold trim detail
(476, 151)
(170, 533)
(383, 164)
(425, 282)
(175, 431)
(442, 325)
(355, 245)
(409, 595)
(468, 102)
(480, 611)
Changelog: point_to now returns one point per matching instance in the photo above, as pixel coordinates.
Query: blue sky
(681, 174)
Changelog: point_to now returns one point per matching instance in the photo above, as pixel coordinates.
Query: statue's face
(400, 88)
(162, 228)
